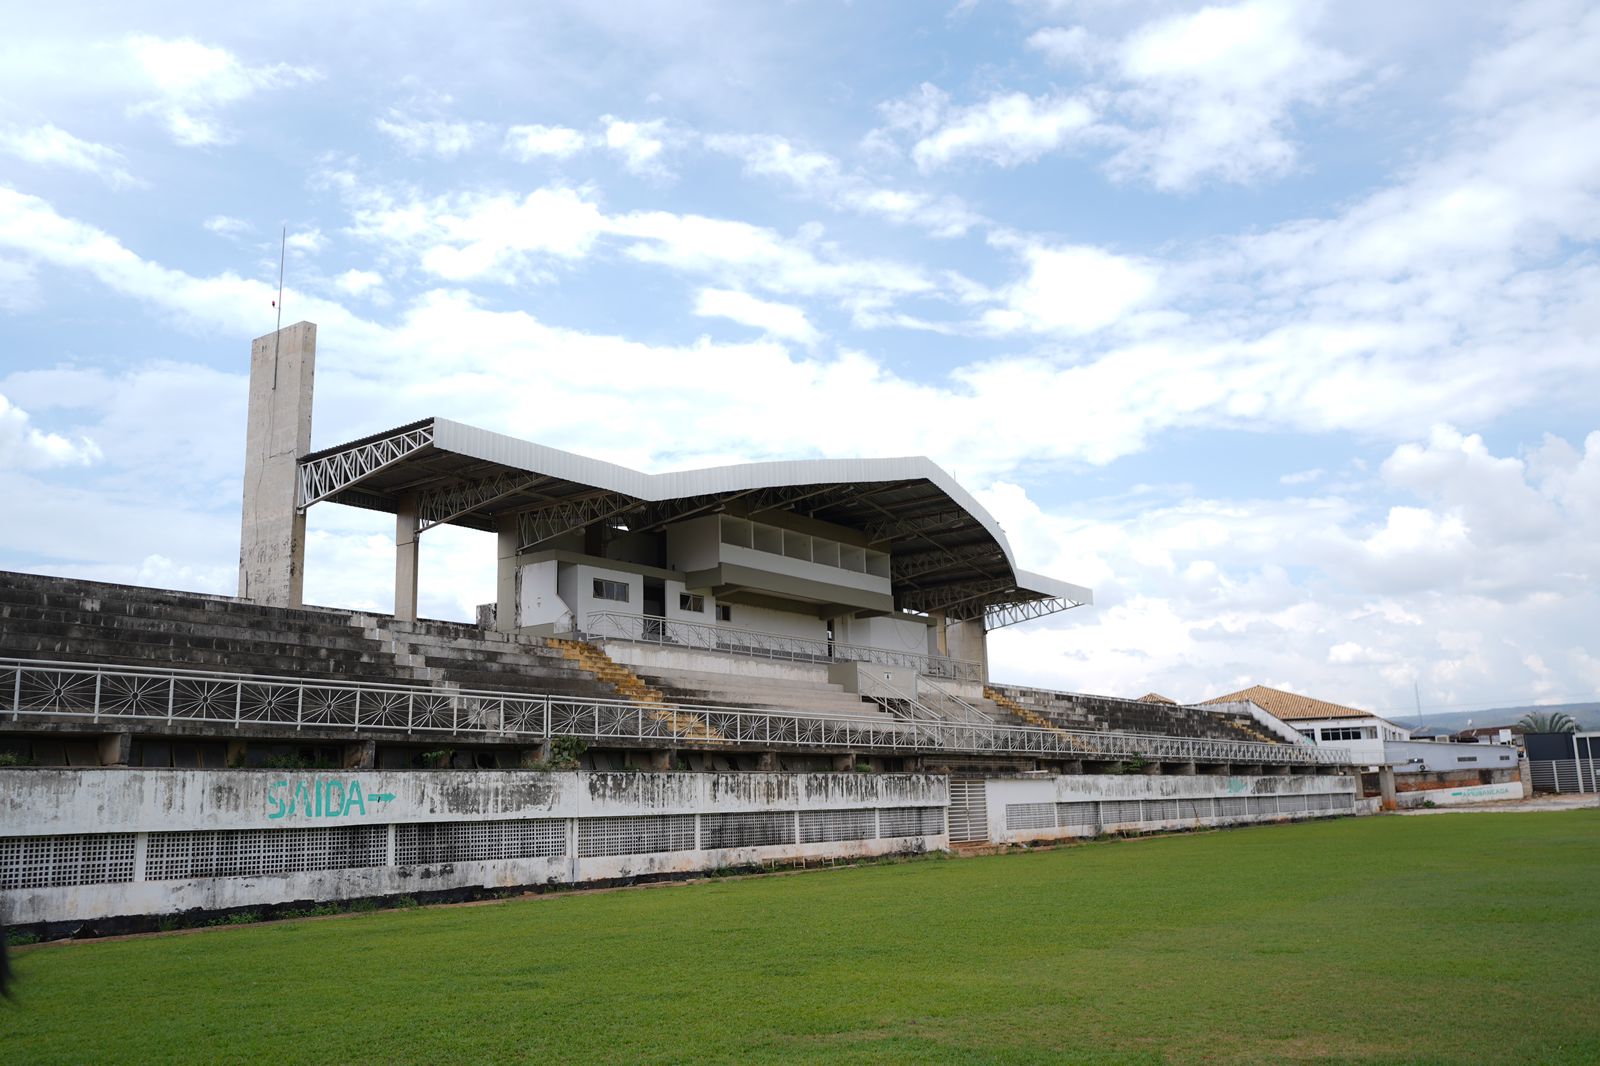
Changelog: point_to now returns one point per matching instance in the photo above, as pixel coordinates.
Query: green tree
(1547, 722)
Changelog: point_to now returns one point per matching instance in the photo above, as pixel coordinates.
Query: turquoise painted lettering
(354, 799)
(302, 798)
(275, 801)
(333, 809)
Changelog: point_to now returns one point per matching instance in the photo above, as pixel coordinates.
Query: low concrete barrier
(1021, 810)
(77, 845)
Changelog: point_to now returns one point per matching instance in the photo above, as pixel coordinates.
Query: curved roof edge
(514, 451)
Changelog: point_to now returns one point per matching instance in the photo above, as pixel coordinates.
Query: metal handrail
(972, 713)
(753, 642)
(112, 693)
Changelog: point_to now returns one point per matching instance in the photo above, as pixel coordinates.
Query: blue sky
(1273, 322)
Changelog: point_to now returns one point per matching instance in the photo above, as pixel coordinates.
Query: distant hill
(1587, 715)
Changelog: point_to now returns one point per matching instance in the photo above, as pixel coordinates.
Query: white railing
(674, 632)
(951, 705)
(111, 694)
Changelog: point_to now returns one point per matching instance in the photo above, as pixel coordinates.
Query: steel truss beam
(332, 474)
(540, 524)
(1000, 615)
(910, 567)
(959, 599)
(912, 525)
(437, 507)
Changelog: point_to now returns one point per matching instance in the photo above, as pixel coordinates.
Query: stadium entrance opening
(655, 608)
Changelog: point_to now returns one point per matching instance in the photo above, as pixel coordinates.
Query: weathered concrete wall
(77, 845)
(1431, 756)
(272, 542)
(1049, 808)
(1462, 794)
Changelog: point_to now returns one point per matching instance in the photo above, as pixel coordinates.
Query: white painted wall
(675, 589)
(53, 803)
(694, 545)
(1465, 794)
(539, 601)
(893, 634)
(1004, 792)
(1366, 751)
(1439, 757)
(575, 583)
(782, 623)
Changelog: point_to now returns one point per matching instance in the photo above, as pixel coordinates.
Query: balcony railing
(673, 632)
(110, 695)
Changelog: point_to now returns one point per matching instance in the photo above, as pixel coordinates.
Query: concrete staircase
(816, 697)
(631, 686)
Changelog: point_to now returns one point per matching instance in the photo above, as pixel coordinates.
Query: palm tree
(1548, 722)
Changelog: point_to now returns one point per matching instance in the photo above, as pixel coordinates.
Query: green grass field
(1463, 938)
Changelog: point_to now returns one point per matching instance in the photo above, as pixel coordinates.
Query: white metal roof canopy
(947, 553)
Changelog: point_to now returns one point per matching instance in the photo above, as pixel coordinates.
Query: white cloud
(1006, 128)
(1195, 597)
(359, 282)
(1064, 44)
(24, 447)
(193, 83)
(473, 236)
(439, 137)
(306, 241)
(1180, 99)
(1073, 289)
(531, 142)
(227, 226)
(784, 321)
(819, 175)
(640, 144)
(50, 145)
(1302, 477)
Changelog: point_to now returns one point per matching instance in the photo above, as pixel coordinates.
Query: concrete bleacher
(62, 619)
(1077, 711)
(70, 620)
(741, 689)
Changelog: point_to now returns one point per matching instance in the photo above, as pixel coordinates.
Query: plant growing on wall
(566, 753)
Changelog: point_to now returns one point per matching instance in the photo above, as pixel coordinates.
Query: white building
(881, 560)
(1374, 741)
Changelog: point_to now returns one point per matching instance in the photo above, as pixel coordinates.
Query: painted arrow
(383, 797)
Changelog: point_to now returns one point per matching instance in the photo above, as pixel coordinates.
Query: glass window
(610, 590)
(695, 604)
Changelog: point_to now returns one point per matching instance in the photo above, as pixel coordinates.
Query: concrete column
(1386, 789)
(1151, 768)
(528, 758)
(844, 763)
(115, 749)
(939, 625)
(767, 762)
(661, 762)
(361, 755)
(969, 640)
(405, 561)
(1072, 766)
(272, 536)
(505, 583)
(1181, 769)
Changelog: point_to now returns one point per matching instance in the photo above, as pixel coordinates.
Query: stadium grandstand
(679, 671)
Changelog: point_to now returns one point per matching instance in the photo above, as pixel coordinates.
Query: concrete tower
(272, 541)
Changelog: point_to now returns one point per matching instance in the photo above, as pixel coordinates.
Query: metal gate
(969, 810)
